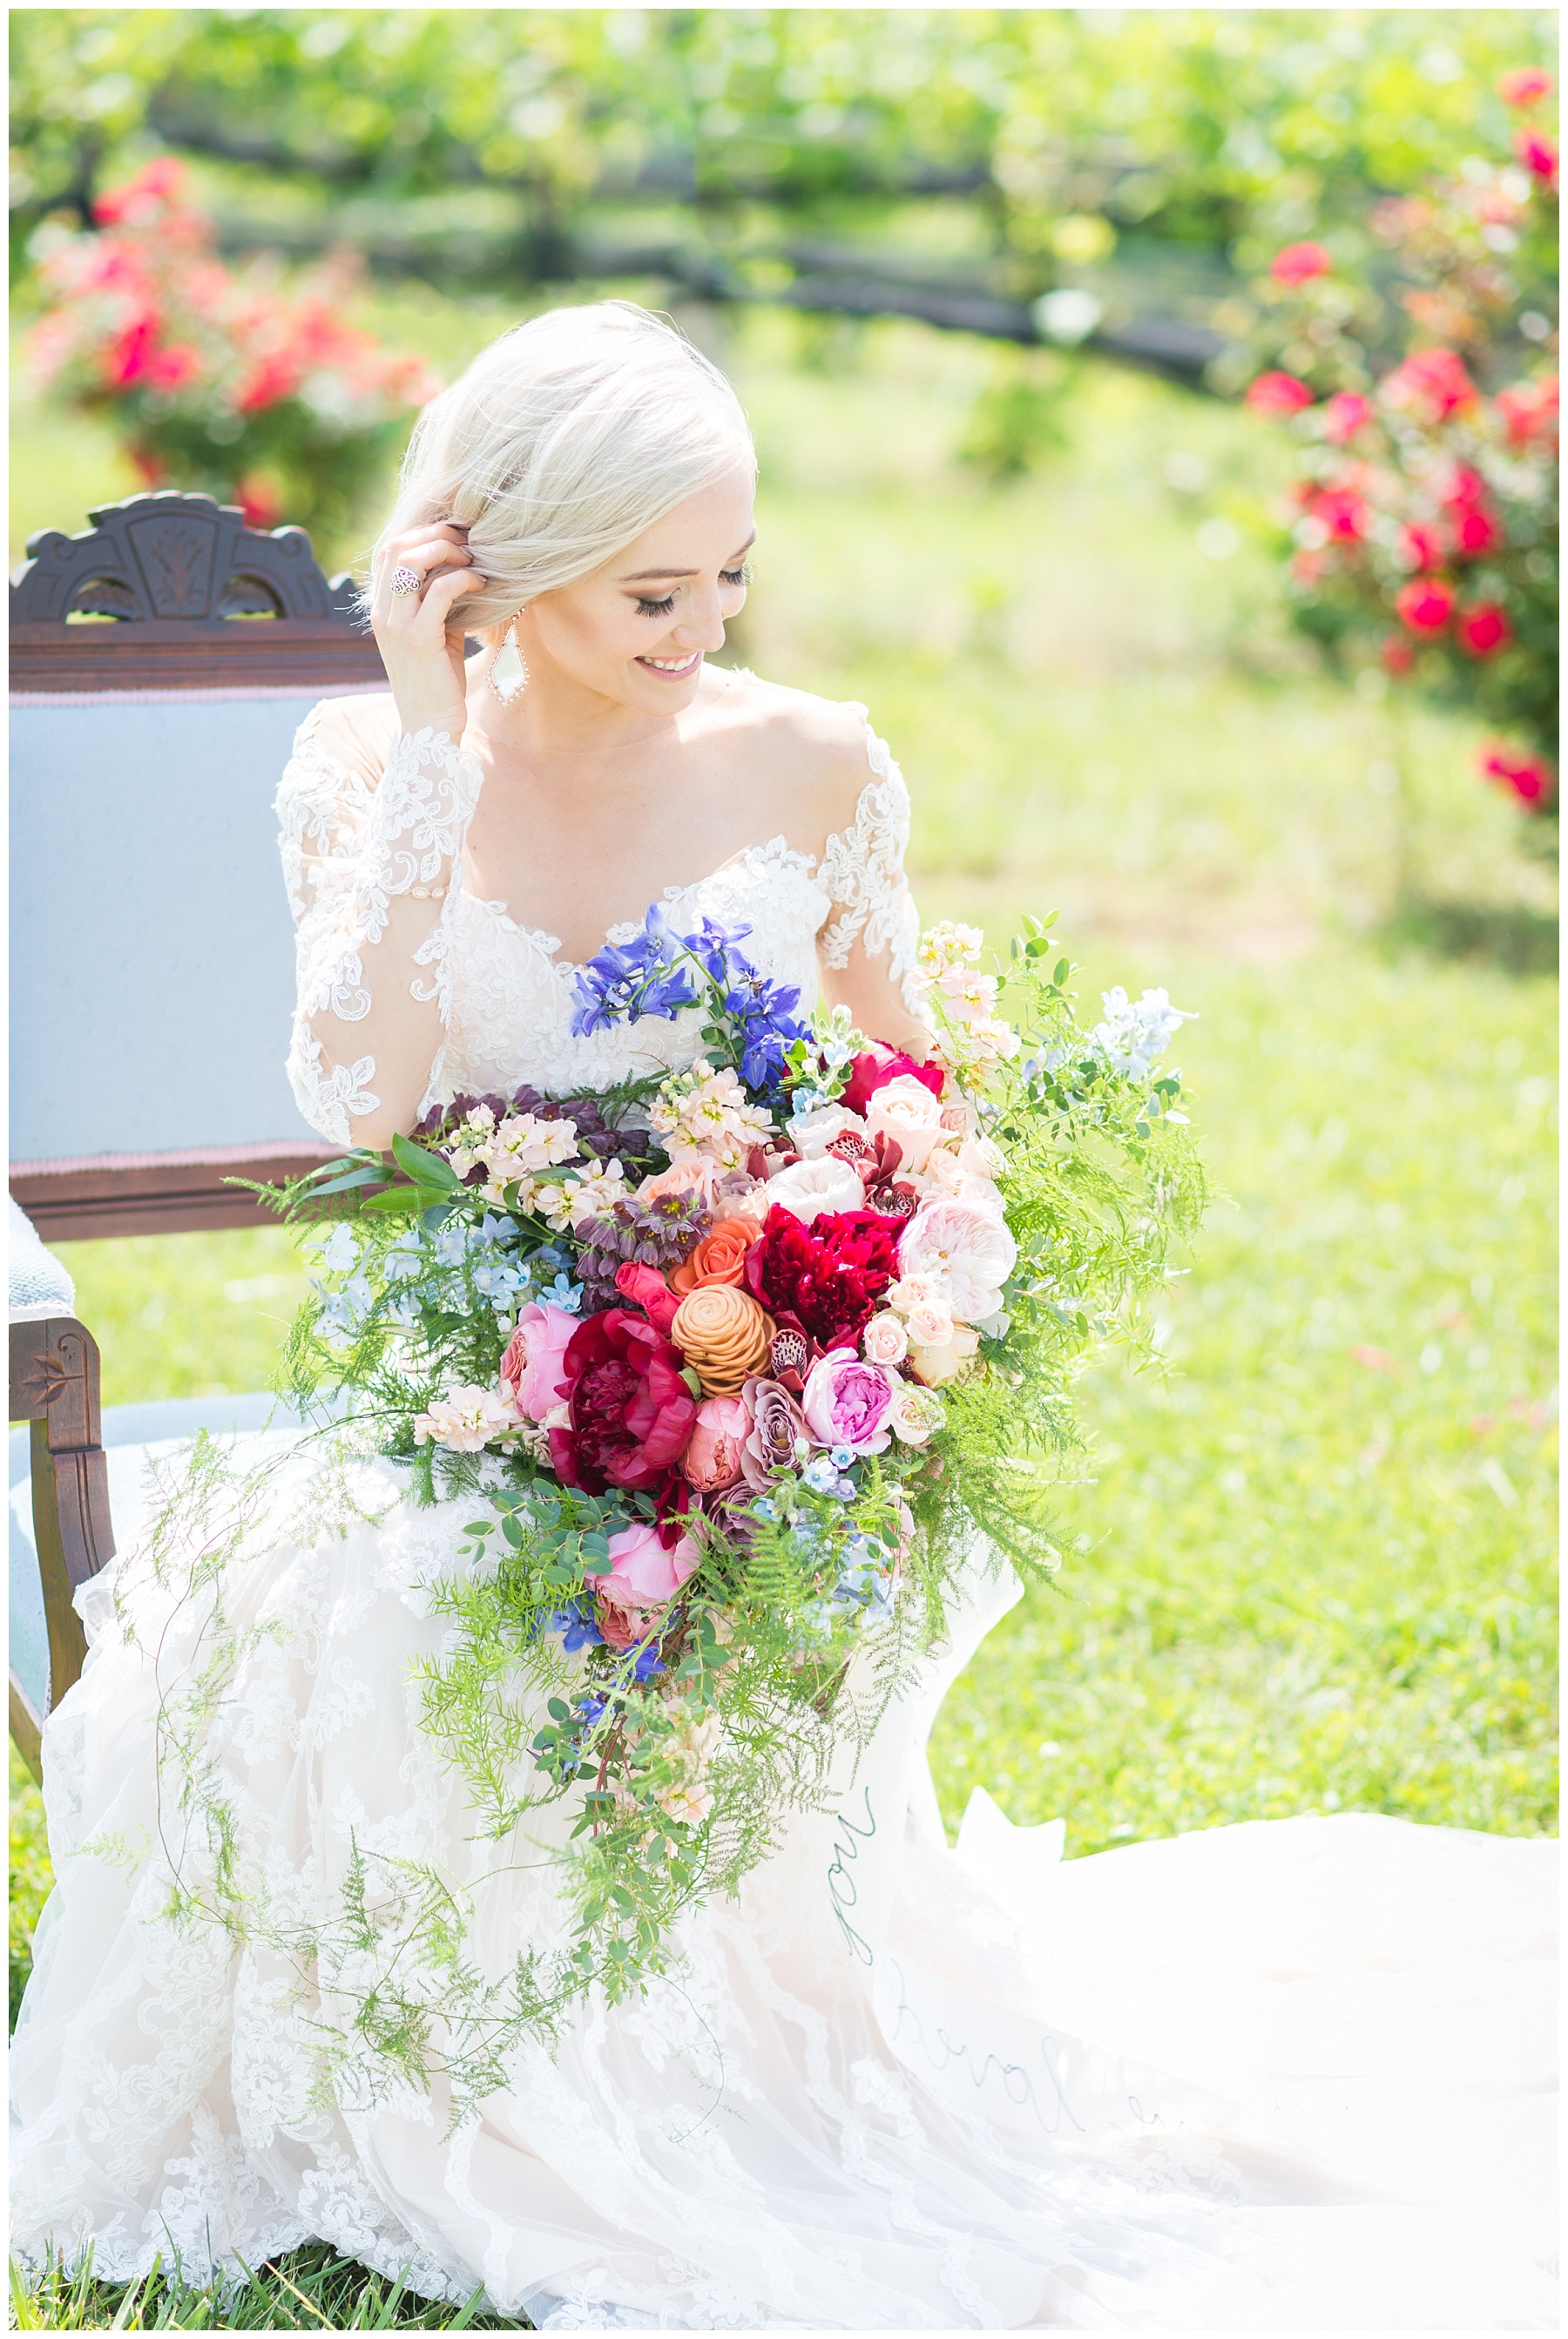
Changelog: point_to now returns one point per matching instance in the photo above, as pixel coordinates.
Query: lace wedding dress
(1285, 2075)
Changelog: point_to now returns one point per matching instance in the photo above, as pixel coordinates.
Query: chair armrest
(54, 1386)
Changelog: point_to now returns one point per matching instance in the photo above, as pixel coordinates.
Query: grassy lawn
(1311, 1569)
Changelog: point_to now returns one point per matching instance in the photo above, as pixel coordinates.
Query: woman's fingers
(432, 566)
(424, 553)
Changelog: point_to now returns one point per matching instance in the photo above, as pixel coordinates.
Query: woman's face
(636, 630)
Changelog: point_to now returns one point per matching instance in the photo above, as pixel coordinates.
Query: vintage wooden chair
(159, 665)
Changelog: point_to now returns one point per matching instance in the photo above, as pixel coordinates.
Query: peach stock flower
(723, 1336)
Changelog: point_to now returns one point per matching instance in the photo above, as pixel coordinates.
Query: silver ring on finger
(404, 579)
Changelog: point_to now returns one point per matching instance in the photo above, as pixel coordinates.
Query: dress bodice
(512, 992)
(410, 982)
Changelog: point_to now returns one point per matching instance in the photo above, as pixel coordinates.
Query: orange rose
(719, 1257)
(723, 1336)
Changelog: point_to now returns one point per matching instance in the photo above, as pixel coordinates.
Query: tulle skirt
(1286, 2076)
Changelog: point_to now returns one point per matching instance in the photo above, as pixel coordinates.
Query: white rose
(933, 1366)
(930, 1326)
(916, 1413)
(905, 1110)
(971, 1249)
(884, 1340)
(945, 1180)
(808, 1187)
(914, 1291)
(811, 1133)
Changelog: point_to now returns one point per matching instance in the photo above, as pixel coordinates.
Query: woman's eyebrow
(647, 576)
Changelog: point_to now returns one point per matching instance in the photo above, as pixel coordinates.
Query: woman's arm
(373, 860)
(866, 945)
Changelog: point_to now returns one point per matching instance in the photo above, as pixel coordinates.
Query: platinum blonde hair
(563, 441)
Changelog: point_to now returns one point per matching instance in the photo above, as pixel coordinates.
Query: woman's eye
(657, 608)
(741, 576)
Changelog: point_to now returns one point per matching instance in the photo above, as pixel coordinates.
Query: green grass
(1311, 1569)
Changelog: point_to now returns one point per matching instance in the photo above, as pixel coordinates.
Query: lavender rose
(777, 1423)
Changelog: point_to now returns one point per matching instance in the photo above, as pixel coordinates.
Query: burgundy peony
(827, 1276)
(632, 1411)
(878, 1065)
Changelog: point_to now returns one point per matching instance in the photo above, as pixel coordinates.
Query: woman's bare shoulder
(816, 751)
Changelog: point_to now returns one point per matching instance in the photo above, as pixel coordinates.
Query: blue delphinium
(575, 1624)
(654, 976)
(626, 980)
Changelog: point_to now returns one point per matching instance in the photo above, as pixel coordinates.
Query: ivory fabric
(1292, 2075)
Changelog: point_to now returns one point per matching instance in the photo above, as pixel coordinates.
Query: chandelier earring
(509, 674)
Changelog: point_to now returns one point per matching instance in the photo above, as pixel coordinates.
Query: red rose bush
(721, 1378)
(1423, 519)
(220, 382)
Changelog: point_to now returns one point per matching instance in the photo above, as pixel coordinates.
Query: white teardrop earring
(509, 674)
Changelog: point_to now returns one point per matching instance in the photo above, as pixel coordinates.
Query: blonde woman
(1270, 2076)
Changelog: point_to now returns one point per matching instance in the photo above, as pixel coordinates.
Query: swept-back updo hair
(563, 441)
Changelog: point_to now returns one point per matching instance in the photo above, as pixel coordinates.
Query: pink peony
(846, 1403)
(713, 1459)
(643, 1574)
(533, 1377)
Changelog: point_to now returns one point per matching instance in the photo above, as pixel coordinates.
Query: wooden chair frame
(55, 1387)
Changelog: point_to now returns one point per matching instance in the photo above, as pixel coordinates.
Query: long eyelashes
(741, 576)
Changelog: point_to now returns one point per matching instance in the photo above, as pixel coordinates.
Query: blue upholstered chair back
(152, 953)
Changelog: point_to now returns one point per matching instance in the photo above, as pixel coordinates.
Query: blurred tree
(1189, 127)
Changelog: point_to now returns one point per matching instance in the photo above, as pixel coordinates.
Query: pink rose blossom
(846, 1403)
(693, 1176)
(884, 1340)
(643, 1574)
(533, 1377)
(713, 1459)
(905, 1110)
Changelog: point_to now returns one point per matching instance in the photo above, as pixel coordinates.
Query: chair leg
(54, 1384)
(27, 1730)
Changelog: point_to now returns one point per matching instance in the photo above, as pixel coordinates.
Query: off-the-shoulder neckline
(778, 850)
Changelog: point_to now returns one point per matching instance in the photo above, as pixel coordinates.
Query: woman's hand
(419, 636)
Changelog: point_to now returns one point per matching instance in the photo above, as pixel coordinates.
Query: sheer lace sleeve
(873, 918)
(371, 858)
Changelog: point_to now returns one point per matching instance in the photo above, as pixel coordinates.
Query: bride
(1279, 2076)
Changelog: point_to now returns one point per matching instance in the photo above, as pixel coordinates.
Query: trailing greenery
(1290, 1579)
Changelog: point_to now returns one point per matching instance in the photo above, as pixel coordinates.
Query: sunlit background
(1150, 633)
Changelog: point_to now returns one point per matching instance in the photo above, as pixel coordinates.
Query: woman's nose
(702, 624)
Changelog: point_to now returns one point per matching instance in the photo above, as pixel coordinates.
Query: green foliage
(1019, 418)
(1290, 1581)
(1190, 126)
(311, 2289)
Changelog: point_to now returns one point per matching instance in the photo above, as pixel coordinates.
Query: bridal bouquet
(734, 1363)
